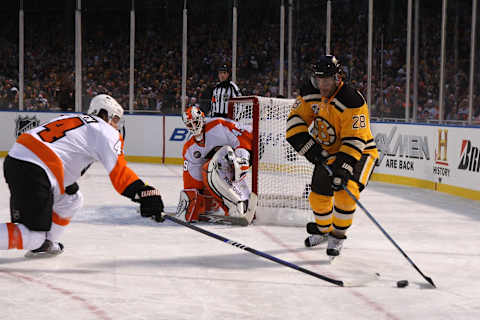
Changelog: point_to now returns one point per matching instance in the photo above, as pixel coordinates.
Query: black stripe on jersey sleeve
(354, 143)
(337, 107)
(353, 139)
(295, 121)
(299, 140)
(370, 144)
(355, 147)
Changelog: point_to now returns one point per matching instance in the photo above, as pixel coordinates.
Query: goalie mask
(194, 120)
(113, 109)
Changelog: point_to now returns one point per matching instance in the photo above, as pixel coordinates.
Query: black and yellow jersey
(340, 123)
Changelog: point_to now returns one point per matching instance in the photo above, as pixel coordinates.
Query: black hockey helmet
(326, 66)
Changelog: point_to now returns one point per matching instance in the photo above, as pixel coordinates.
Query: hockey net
(280, 177)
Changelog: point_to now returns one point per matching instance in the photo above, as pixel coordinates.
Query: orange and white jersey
(67, 145)
(218, 132)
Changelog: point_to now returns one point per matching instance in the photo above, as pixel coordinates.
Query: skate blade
(42, 255)
(252, 206)
(331, 259)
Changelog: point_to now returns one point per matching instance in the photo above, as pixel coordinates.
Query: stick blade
(252, 207)
(429, 280)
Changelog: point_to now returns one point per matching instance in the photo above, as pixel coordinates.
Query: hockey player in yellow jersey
(330, 125)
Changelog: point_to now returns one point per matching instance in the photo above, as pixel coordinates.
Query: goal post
(279, 176)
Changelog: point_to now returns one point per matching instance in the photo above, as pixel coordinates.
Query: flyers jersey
(340, 123)
(218, 132)
(67, 145)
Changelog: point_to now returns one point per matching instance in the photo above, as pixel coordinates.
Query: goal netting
(280, 177)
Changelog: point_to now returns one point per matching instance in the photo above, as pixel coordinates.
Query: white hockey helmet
(194, 120)
(107, 103)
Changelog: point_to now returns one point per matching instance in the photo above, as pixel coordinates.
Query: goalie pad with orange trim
(192, 204)
(221, 179)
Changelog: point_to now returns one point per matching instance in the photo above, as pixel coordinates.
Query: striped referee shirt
(220, 96)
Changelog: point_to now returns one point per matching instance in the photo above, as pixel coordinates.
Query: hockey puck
(402, 283)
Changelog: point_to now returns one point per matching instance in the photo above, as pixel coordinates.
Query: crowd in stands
(50, 78)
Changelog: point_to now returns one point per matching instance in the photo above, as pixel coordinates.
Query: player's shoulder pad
(348, 97)
(213, 122)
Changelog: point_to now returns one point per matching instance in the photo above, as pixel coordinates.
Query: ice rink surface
(118, 265)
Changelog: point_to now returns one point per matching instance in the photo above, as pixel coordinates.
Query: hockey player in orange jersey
(216, 161)
(340, 131)
(42, 167)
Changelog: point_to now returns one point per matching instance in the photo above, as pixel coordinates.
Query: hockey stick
(429, 280)
(255, 252)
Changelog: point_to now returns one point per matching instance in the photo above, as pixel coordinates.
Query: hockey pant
(334, 211)
(18, 236)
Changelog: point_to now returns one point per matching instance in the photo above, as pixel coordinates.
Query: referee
(222, 92)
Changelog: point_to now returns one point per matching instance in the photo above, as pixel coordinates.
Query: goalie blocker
(226, 197)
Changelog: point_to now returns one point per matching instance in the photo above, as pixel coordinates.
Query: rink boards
(436, 157)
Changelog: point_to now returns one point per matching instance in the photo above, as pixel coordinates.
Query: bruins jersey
(340, 123)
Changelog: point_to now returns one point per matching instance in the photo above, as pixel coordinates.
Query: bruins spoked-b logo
(25, 123)
(323, 131)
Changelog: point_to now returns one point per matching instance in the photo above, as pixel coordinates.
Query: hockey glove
(151, 204)
(314, 152)
(342, 170)
(72, 189)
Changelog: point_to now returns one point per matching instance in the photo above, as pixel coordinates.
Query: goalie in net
(216, 160)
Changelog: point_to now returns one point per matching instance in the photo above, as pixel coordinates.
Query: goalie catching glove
(151, 204)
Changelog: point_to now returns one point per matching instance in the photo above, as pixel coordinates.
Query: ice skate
(334, 246)
(316, 237)
(46, 250)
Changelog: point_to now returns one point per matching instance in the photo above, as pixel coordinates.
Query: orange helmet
(194, 120)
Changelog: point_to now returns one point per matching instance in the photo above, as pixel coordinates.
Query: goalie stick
(216, 219)
(224, 220)
(253, 251)
(241, 221)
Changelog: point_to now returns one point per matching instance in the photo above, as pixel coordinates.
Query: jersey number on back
(56, 129)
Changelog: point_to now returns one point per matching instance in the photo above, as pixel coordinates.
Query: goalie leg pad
(219, 182)
(192, 203)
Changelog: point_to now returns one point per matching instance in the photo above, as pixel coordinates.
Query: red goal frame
(255, 116)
